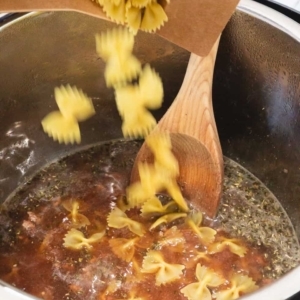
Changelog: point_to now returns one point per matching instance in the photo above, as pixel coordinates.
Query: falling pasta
(74, 106)
(133, 100)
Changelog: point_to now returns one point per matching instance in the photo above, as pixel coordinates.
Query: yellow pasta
(115, 10)
(74, 239)
(123, 248)
(74, 106)
(133, 17)
(147, 15)
(206, 234)
(151, 88)
(153, 206)
(154, 17)
(61, 129)
(167, 219)
(232, 244)
(199, 290)
(117, 41)
(121, 69)
(160, 145)
(139, 124)
(152, 181)
(140, 3)
(78, 220)
(154, 262)
(73, 103)
(240, 284)
(118, 219)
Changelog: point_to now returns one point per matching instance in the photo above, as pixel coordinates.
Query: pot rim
(286, 286)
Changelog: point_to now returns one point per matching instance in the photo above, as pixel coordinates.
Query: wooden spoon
(195, 142)
(194, 26)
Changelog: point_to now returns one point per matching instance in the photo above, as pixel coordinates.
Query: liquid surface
(35, 221)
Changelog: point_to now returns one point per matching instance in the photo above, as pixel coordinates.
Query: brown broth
(33, 224)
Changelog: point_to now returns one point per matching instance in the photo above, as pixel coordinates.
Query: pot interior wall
(256, 95)
(256, 98)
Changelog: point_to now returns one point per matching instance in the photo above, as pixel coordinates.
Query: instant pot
(256, 98)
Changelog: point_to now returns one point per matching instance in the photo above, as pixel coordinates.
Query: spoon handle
(192, 111)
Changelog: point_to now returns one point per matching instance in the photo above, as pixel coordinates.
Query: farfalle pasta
(199, 290)
(153, 179)
(206, 234)
(167, 219)
(153, 206)
(240, 284)
(147, 15)
(232, 244)
(74, 239)
(133, 100)
(154, 263)
(74, 106)
(78, 220)
(118, 219)
(161, 147)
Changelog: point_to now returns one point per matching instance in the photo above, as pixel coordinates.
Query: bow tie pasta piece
(139, 124)
(123, 248)
(140, 3)
(232, 244)
(174, 191)
(128, 100)
(240, 285)
(199, 290)
(73, 103)
(133, 17)
(167, 219)
(121, 68)
(146, 188)
(115, 10)
(78, 220)
(118, 219)
(206, 234)
(153, 206)
(161, 147)
(61, 129)
(74, 239)
(154, 17)
(152, 181)
(151, 88)
(137, 121)
(113, 42)
(154, 262)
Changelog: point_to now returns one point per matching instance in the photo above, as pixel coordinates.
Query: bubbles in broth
(69, 234)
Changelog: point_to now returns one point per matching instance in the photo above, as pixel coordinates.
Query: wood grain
(195, 142)
(195, 27)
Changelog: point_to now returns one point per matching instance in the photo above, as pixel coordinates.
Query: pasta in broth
(167, 227)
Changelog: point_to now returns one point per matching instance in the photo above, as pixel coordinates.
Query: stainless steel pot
(256, 100)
